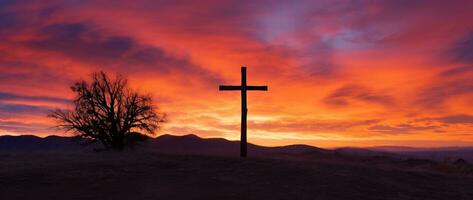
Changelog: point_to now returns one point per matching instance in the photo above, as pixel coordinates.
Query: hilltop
(189, 167)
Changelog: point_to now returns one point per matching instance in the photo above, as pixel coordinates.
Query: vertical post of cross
(244, 113)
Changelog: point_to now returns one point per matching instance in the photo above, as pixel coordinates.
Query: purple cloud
(342, 96)
(399, 129)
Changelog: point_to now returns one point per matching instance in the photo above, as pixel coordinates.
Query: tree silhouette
(107, 110)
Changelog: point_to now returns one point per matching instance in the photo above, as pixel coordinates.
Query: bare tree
(107, 110)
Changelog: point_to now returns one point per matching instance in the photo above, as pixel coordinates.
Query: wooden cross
(244, 110)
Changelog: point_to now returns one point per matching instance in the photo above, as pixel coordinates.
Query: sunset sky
(340, 73)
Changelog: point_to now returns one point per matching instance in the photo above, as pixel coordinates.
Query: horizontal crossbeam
(229, 87)
(238, 87)
(263, 88)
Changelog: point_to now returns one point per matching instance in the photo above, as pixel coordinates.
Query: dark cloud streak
(457, 119)
(463, 49)
(79, 41)
(11, 96)
(400, 129)
(16, 110)
(436, 94)
(342, 96)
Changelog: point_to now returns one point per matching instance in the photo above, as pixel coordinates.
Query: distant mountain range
(34, 143)
(192, 144)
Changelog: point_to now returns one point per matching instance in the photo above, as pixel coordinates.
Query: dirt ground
(148, 175)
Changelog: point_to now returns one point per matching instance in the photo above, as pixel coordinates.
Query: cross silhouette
(244, 110)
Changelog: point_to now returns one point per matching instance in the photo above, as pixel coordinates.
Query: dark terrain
(189, 167)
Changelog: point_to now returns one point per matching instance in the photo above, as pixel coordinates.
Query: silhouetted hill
(32, 143)
(190, 167)
(438, 154)
(187, 144)
(366, 152)
(194, 145)
(397, 148)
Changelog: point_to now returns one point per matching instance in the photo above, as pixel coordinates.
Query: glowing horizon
(340, 74)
